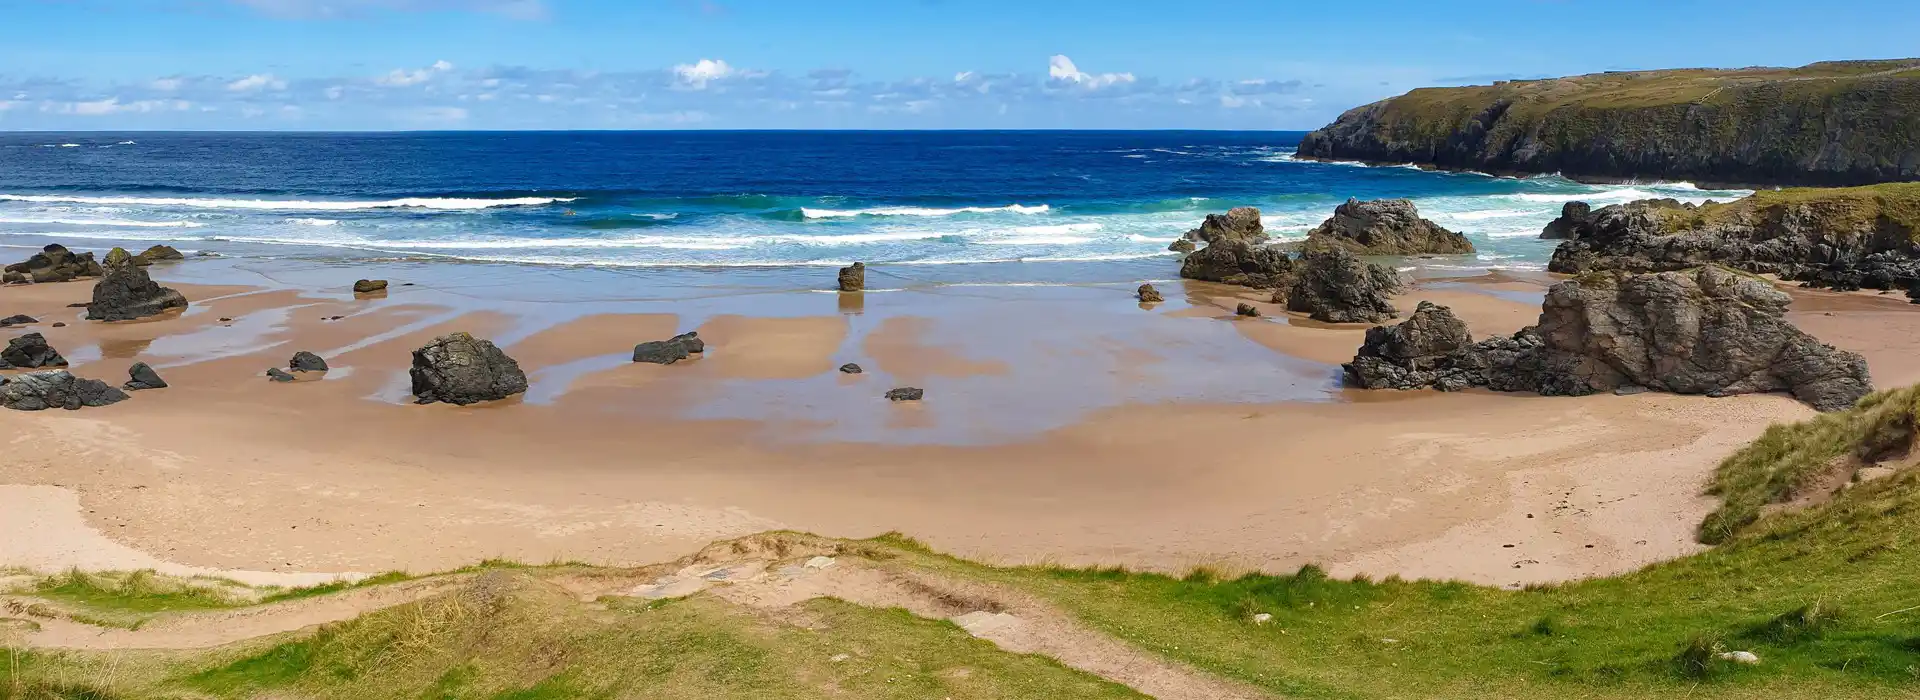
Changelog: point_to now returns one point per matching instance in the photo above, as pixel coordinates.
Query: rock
(1573, 217)
(819, 562)
(1739, 657)
(17, 320)
(1262, 618)
(157, 254)
(59, 324)
(279, 375)
(1233, 261)
(460, 369)
(850, 368)
(1707, 331)
(38, 391)
(1148, 295)
(11, 277)
(30, 351)
(691, 340)
(1333, 286)
(1239, 224)
(54, 263)
(905, 393)
(1866, 474)
(1181, 245)
(1246, 309)
(369, 286)
(304, 361)
(125, 292)
(853, 278)
(669, 351)
(1385, 227)
(141, 376)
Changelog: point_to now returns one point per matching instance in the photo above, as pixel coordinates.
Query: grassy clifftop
(1835, 123)
(1891, 210)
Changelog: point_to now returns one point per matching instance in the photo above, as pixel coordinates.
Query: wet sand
(1065, 424)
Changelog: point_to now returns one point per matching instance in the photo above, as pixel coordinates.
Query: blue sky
(887, 64)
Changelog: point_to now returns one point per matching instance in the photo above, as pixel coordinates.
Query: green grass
(332, 587)
(1844, 211)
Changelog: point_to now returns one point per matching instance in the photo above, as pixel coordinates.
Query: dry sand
(609, 462)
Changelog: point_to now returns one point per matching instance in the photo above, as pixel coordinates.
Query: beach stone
(14, 278)
(304, 361)
(1148, 295)
(1574, 217)
(59, 324)
(125, 292)
(17, 320)
(1385, 227)
(30, 351)
(38, 391)
(1181, 245)
(1239, 224)
(669, 351)
(141, 376)
(691, 341)
(905, 393)
(369, 286)
(157, 253)
(460, 369)
(54, 263)
(850, 368)
(1248, 310)
(853, 278)
(1333, 286)
(279, 375)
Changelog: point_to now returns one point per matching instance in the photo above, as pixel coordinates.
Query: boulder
(671, 350)
(853, 278)
(1574, 217)
(304, 361)
(279, 375)
(369, 286)
(17, 320)
(1148, 295)
(692, 341)
(1181, 245)
(157, 254)
(38, 391)
(11, 277)
(1332, 285)
(1418, 353)
(30, 351)
(905, 393)
(1248, 310)
(850, 368)
(1239, 224)
(1233, 261)
(141, 376)
(54, 263)
(1385, 227)
(125, 292)
(460, 369)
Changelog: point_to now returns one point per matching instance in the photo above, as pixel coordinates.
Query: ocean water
(1034, 206)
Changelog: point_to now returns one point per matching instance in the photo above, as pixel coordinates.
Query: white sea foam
(1485, 214)
(1084, 227)
(1134, 155)
(921, 211)
(1037, 240)
(856, 238)
(446, 203)
(1628, 193)
(314, 222)
(103, 222)
(1137, 238)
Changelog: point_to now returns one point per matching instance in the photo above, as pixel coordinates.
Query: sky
(850, 64)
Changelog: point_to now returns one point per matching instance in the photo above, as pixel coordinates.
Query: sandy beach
(1063, 423)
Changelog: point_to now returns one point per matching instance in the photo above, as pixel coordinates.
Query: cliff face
(1829, 124)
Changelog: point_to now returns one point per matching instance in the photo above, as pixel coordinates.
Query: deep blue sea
(729, 199)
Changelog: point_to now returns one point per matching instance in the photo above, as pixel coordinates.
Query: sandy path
(203, 630)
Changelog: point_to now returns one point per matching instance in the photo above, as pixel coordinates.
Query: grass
(1869, 210)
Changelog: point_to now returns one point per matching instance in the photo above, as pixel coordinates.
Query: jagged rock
(17, 320)
(1181, 245)
(1573, 217)
(141, 377)
(38, 391)
(1333, 286)
(157, 254)
(850, 368)
(369, 286)
(669, 351)
(905, 393)
(853, 278)
(304, 361)
(54, 263)
(279, 375)
(1707, 330)
(692, 341)
(30, 351)
(1248, 310)
(11, 277)
(1148, 295)
(1385, 227)
(59, 324)
(125, 292)
(1233, 261)
(460, 369)
(1239, 224)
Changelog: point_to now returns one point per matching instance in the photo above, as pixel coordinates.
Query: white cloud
(113, 105)
(336, 92)
(437, 115)
(260, 81)
(1061, 69)
(166, 84)
(403, 78)
(330, 9)
(696, 75)
(963, 76)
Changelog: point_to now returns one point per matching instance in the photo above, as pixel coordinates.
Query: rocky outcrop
(279, 375)
(304, 361)
(39, 391)
(17, 320)
(1181, 245)
(853, 278)
(157, 254)
(671, 350)
(1828, 124)
(125, 292)
(1148, 295)
(1846, 238)
(141, 377)
(1247, 310)
(1232, 261)
(460, 369)
(369, 286)
(54, 263)
(905, 393)
(1707, 330)
(1239, 224)
(1332, 285)
(1574, 216)
(1385, 227)
(30, 351)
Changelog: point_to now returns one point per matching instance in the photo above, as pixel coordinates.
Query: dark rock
(304, 361)
(38, 391)
(669, 351)
(30, 351)
(59, 324)
(853, 278)
(850, 368)
(14, 278)
(54, 263)
(141, 377)
(1238, 224)
(692, 341)
(17, 320)
(905, 393)
(279, 375)
(461, 369)
(156, 254)
(125, 292)
(1233, 261)
(1385, 227)
(1248, 310)
(1181, 245)
(224, 319)
(1333, 286)
(1147, 294)
(1574, 216)
(369, 286)
(1418, 353)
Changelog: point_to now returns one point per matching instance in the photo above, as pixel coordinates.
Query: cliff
(1825, 124)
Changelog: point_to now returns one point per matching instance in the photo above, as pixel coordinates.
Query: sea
(1022, 207)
